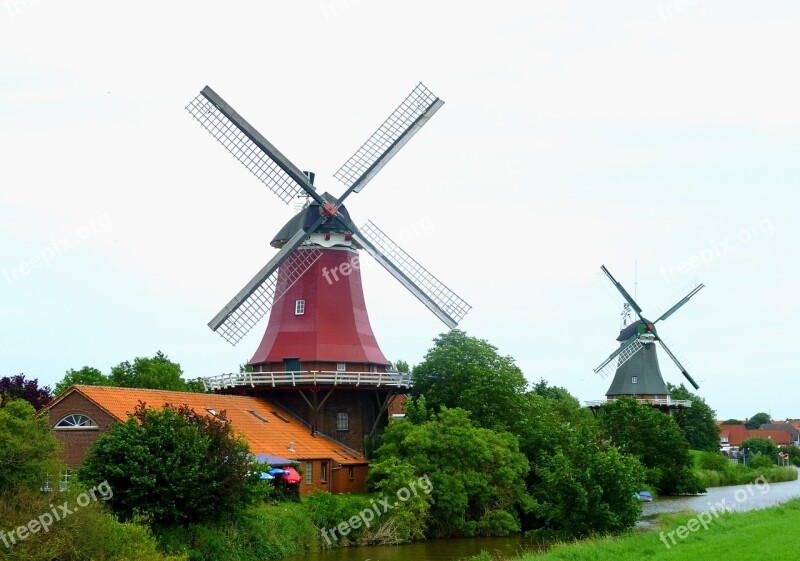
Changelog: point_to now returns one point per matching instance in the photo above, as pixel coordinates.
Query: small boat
(644, 496)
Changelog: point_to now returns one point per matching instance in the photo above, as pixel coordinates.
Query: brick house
(80, 414)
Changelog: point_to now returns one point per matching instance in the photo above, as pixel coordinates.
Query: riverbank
(753, 535)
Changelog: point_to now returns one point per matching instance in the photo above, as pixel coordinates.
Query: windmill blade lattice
(396, 130)
(442, 301)
(623, 355)
(241, 316)
(239, 141)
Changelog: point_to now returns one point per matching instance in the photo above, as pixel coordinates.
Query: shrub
(759, 462)
(89, 533)
(172, 465)
(713, 461)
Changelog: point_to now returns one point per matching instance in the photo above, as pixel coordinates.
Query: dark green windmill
(634, 363)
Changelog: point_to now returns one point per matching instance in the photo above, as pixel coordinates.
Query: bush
(89, 533)
(712, 461)
(254, 534)
(172, 465)
(759, 462)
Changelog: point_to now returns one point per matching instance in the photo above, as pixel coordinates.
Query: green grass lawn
(757, 535)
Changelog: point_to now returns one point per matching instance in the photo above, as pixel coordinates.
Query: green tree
(655, 438)
(732, 422)
(581, 484)
(762, 446)
(468, 373)
(172, 465)
(756, 421)
(157, 373)
(402, 366)
(86, 376)
(27, 447)
(586, 487)
(476, 474)
(697, 422)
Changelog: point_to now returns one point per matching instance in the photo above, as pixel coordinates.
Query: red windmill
(319, 356)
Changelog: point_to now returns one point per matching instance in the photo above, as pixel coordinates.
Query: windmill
(318, 336)
(634, 363)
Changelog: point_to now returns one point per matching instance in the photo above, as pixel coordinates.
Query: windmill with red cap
(319, 356)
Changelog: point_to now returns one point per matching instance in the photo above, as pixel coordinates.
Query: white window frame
(634, 379)
(77, 421)
(299, 307)
(309, 473)
(341, 366)
(342, 421)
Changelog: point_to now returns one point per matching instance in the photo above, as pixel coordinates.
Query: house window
(257, 416)
(634, 380)
(309, 478)
(76, 421)
(323, 472)
(64, 484)
(350, 474)
(342, 421)
(373, 368)
(341, 366)
(299, 307)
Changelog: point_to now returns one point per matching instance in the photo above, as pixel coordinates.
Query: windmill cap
(630, 330)
(306, 218)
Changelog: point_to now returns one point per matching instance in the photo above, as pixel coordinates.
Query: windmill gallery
(318, 389)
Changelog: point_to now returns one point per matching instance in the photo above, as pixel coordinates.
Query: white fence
(307, 378)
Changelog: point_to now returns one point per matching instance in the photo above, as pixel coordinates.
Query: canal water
(737, 497)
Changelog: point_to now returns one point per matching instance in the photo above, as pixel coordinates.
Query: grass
(750, 536)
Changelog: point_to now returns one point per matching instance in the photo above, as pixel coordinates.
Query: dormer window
(634, 380)
(75, 421)
(299, 307)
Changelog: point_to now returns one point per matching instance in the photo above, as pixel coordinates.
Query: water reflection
(433, 550)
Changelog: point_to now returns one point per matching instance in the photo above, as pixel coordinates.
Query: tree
(402, 366)
(86, 376)
(697, 422)
(27, 447)
(581, 484)
(476, 474)
(586, 487)
(756, 421)
(172, 465)
(732, 422)
(653, 437)
(762, 446)
(468, 373)
(157, 373)
(17, 387)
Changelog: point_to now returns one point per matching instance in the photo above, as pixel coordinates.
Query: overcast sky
(574, 134)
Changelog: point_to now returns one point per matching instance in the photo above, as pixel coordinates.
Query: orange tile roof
(735, 434)
(778, 436)
(275, 437)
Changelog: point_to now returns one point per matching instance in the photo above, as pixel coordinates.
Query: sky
(659, 138)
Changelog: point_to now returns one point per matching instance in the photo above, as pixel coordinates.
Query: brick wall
(76, 442)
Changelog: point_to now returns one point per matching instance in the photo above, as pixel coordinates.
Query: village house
(732, 436)
(82, 413)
